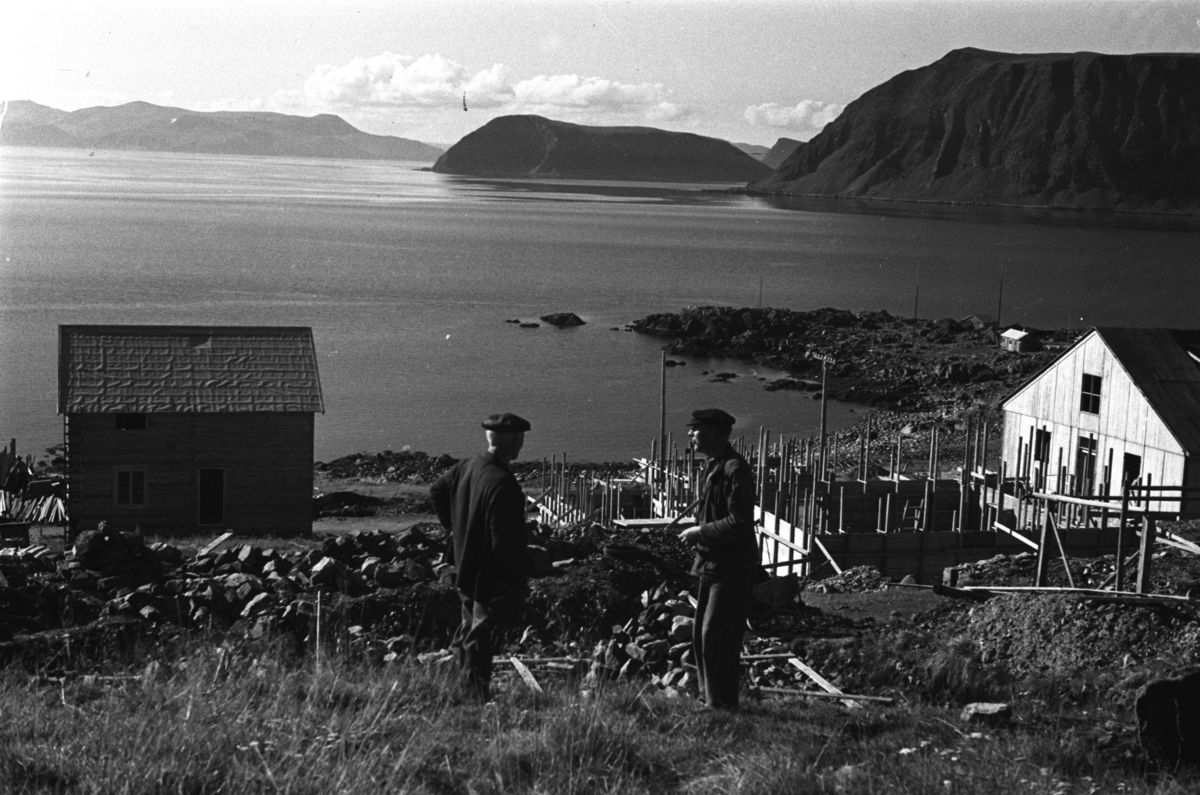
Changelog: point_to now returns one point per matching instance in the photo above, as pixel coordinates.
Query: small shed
(184, 429)
(1015, 340)
(978, 322)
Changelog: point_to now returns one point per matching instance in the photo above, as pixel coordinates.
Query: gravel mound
(1063, 635)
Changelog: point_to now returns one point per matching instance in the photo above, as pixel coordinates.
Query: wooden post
(1120, 583)
(1043, 560)
(1145, 554)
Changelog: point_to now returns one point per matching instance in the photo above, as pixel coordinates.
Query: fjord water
(407, 278)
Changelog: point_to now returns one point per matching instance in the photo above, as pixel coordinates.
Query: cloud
(405, 84)
(572, 93)
(403, 81)
(808, 116)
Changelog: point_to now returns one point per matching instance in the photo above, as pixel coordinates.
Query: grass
(259, 720)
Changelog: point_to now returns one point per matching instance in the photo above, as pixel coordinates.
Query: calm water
(407, 276)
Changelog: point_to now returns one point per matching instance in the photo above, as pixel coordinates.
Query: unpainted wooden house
(180, 429)
(1121, 404)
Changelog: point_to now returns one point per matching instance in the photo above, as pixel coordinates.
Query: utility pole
(1000, 300)
(662, 416)
(825, 362)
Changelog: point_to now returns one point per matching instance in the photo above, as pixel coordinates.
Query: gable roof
(1165, 365)
(204, 369)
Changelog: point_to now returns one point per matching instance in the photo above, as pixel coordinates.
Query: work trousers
(721, 611)
(476, 640)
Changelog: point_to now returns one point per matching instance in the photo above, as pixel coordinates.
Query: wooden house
(978, 322)
(175, 429)
(1015, 340)
(1121, 404)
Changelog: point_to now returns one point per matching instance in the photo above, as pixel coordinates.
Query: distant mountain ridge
(534, 146)
(142, 126)
(1078, 130)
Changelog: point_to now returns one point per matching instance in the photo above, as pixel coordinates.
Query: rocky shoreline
(945, 366)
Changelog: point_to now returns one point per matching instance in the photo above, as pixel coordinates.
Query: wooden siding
(1126, 423)
(267, 459)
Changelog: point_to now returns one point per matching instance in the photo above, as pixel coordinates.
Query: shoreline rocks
(880, 360)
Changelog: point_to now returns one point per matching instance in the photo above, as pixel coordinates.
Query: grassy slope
(227, 720)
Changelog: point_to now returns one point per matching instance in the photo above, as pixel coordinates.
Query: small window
(131, 422)
(130, 488)
(1089, 399)
(1041, 445)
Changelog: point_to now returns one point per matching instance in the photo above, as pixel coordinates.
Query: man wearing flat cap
(482, 505)
(726, 558)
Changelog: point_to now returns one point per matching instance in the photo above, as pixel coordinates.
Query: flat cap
(712, 417)
(508, 423)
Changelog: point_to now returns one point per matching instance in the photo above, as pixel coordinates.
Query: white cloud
(403, 84)
(426, 81)
(808, 116)
(547, 94)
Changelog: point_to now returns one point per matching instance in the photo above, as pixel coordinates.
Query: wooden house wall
(267, 459)
(1126, 423)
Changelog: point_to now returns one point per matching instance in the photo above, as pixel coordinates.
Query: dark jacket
(727, 544)
(482, 505)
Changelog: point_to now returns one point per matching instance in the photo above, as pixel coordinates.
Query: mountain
(779, 152)
(757, 151)
(1078, 130)
(144, 127)
(533, 146)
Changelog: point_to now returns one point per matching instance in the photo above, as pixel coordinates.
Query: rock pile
(860, 579)
(395, 467)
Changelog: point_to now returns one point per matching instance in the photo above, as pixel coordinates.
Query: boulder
(993, 714)
(562, 319)
(1168, 716)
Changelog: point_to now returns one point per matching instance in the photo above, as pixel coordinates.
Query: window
(130, 488)
(1041, 445)
(131, 422)
(1089, 399)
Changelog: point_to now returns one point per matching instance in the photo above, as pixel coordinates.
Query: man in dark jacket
(726, 557)
(482, 505)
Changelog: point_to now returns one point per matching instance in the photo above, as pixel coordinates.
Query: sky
(747, 71)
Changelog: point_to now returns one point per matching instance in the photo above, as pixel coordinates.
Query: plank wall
(1126, 424)
(267, 460)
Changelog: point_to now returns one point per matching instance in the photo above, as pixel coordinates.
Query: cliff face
(533, 146)
(1078, 130)
(142, 126)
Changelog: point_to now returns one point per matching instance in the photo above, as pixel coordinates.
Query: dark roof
(1165, 365)
(167, 369)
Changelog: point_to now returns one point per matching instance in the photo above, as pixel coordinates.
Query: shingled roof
(167, 369)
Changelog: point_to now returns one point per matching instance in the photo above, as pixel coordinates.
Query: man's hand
(690, 536)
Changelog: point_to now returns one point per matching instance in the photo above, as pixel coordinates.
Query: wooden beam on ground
(788, 691)
(824, 683)
(1170, 539)
(526, 675)
(828, 557)
(1075, 591)
(655, 524)
(216, 542)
